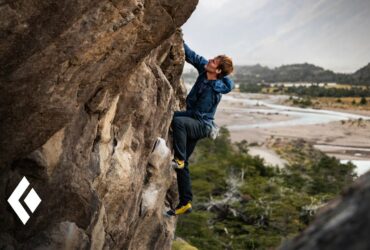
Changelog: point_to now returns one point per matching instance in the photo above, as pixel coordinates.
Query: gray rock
(342, 224)
(86, 89)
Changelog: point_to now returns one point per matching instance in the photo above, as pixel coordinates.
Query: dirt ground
(348, 140)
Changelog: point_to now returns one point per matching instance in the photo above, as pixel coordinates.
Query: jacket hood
(223, 85)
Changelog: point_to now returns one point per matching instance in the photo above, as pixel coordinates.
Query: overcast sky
(333, 34)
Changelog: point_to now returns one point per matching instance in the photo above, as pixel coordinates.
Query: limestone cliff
(86, 89)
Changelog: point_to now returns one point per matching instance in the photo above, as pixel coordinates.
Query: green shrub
(264, 205)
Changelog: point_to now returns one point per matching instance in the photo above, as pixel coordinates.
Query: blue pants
(186, 133)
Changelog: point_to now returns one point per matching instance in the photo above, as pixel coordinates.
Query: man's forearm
(193, 58)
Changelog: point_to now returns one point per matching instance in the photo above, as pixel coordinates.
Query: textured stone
(342, 224)
(86, 89)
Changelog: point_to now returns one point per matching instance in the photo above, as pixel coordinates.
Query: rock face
(86, 89)
(342, 224)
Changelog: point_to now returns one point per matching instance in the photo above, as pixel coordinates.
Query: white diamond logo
(32, 200)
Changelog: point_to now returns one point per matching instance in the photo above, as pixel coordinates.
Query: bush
(363, 101)
(240, 203)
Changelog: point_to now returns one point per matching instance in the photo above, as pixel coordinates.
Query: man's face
(212, 65)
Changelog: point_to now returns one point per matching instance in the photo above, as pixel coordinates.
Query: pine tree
(363, 101)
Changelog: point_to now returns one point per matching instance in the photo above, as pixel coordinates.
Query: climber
(197, 121)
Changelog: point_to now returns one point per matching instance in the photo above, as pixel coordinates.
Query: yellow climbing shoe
(179, 210)
(184, 209)
(178, 164)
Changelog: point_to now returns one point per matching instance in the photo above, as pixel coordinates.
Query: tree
(363, 101)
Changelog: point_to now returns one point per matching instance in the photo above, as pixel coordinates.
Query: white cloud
(212, 4)
(330, 33)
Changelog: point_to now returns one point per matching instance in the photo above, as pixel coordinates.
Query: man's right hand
(179, 32)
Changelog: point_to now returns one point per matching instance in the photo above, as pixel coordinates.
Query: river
(300, 116)
(295, 116)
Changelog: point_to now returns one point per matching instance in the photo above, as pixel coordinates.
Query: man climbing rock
(197, 121)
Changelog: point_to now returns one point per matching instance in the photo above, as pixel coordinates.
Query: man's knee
(177, 122)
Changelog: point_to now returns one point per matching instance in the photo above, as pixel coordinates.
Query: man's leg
(184, 185)
(193, 130)
(190, 146)
(183, 176)
(184, 127)
(179, 137)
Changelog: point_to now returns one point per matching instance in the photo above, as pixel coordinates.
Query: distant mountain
(362, 75)
(286, 73)
(294, 73)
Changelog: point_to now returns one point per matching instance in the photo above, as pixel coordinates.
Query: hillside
(287, 73)
(294, 73)
(243, 203)
(362, 75)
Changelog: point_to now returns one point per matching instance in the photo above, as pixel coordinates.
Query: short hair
(226, 65)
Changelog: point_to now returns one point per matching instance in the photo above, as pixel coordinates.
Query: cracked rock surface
(86, 89)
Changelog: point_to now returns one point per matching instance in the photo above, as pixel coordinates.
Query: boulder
(86, 89)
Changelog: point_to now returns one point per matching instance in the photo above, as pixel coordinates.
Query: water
(299, 116)
(361, 166)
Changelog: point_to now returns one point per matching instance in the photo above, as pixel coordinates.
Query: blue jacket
(205, 95)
